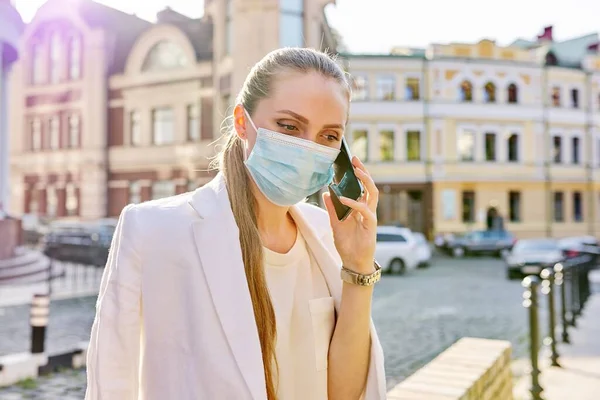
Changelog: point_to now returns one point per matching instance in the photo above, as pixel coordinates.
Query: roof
(126, 28)
(571, 52)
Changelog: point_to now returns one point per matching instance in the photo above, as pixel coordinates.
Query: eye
(331, 137)
(287, 127)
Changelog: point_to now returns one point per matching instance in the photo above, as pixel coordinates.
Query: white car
(396, 249)
(423, 249)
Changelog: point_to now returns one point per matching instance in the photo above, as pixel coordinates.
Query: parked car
(423, 250)
(85, 243)
(396, 249)
(531, 256)
(482, 242)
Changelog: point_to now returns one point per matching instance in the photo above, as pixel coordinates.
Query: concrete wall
(471, 369)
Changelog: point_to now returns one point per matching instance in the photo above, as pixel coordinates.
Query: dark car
(83, 243)
(531, 256)
(481, 242)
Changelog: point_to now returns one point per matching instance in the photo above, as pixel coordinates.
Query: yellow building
(457, 133)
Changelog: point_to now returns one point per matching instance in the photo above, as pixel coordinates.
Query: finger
(361, 208)
(371, 188)
(333, 220)
(358, 164)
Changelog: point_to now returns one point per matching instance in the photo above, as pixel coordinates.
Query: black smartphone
(345, 183)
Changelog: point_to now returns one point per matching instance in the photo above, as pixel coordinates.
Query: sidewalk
(579, 377)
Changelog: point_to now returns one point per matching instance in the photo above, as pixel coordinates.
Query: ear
(239, 121)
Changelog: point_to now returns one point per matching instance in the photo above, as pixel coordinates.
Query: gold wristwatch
(360, 279)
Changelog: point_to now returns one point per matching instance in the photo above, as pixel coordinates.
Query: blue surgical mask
(288, 169)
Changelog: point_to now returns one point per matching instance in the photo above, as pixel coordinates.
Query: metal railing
(571, 279)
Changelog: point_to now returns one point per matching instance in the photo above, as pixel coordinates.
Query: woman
(234, 291)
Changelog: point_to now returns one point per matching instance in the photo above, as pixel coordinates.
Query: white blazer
(174, 319)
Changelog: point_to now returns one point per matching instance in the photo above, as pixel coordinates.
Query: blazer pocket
(322, 312)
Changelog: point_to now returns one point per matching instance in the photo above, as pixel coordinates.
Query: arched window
(489, 92)
(513, 93)
(165, 55)
(466, 91)
(551, 59)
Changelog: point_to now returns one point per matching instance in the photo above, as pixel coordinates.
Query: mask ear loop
(246, 141)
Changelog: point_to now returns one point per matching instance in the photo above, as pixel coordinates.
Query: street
(417, 316)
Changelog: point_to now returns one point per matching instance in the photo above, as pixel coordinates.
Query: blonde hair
(230, 161)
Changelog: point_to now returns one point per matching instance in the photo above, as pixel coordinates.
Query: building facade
(458, 134)
(112, 109)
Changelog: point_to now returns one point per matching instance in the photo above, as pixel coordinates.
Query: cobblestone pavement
(417, 316)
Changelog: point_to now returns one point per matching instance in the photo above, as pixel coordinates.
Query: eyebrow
(304, 120)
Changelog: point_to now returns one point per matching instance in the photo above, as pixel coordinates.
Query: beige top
(305, 316)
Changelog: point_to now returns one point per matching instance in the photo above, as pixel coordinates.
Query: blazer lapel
(217, 243)
(327, 258)
(328, 262)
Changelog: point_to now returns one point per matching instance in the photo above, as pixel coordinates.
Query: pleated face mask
(288, 169)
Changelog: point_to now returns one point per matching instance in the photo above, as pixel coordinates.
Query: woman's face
(308, 106)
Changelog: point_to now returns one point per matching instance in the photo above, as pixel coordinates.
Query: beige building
(111, 109)
(458, 133)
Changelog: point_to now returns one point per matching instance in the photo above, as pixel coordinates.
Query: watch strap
(361, 279)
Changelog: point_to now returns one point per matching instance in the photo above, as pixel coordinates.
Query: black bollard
(573, 283)
(39, 321)
(530, 301)
(559, 280)
(548, 289)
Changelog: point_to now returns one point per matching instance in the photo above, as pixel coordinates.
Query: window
(360, 88)
(412, 89)
(51, 201)
(466, 91)
(514, 206)
(359, 145)
(55, 57)
(490, 147)
(75, 58)
(34, 205)
(468, 206)
(54, 133)
(163, 130)
(557, 149)
(193, 122)
(165, 55)
(386, 145)
(71, 200)
(556, 96)
(489, 92)
(575, 148)
(466, 145)
(135, 127)
(513, 93)
(37, 64)
(577, 207)
(386, 88)
(558, 207)
(390, 237)
(513, 148)
(413, 146)
(36, 134)
(135, 192)
(575, 98)
(162, 189)
(74, 131)
(228, 27)
(291, 23)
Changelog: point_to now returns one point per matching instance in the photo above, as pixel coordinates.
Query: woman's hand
(355, 237)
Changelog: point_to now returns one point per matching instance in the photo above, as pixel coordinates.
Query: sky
(375, 26)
